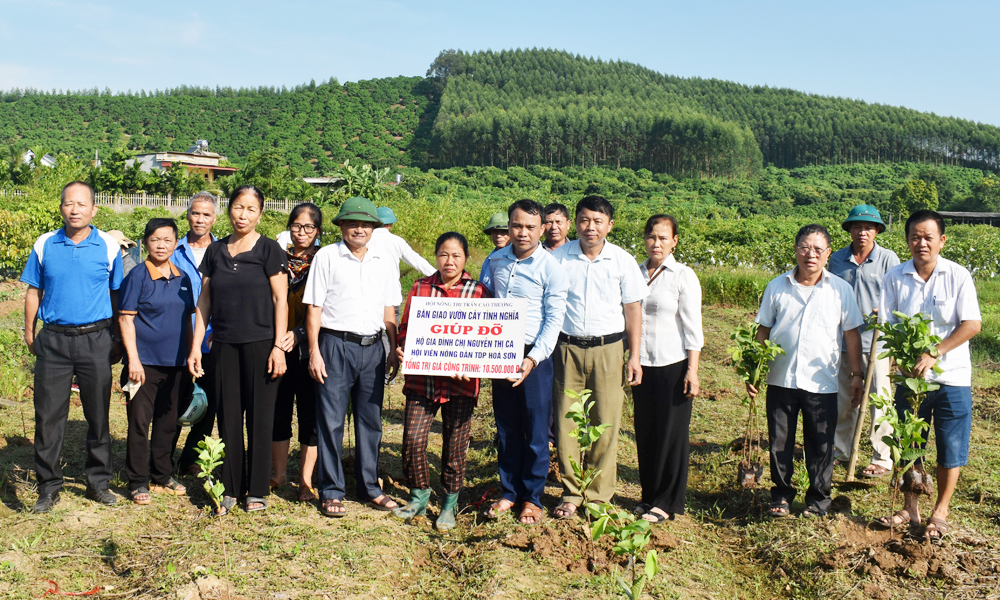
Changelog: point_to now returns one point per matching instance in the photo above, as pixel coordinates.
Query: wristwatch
(857, 374)
(934, 352)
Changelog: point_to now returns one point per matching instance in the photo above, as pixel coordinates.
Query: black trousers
(819, 425)
(662, 425)
(204, 427)
(245, 391)
(147, 455)
(58, 358)
(296, 390)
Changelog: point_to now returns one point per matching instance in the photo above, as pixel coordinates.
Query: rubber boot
(446, 520)
(417, 506)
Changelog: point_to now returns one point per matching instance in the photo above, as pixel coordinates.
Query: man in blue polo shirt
(201, 215)
(69, 275)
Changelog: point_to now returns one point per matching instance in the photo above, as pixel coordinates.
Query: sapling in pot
(752, 360)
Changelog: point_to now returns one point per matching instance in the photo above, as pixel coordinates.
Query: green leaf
(652, 564)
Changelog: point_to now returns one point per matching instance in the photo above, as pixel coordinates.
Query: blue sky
(932, 56)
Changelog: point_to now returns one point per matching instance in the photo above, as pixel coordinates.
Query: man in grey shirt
(863, 264)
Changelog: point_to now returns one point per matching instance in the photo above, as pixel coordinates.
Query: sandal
(140, 495)
(382, 503)
(254, 504)
(900, 517)
(654, 517)
(498, 508)
(327, 508)
(778, 509)
(642, 509)
(813, 513)
(532, 513)
(873, 471)
(564, 512)
(171, 487)
(227, 504)
(940, 526)
(307, 494)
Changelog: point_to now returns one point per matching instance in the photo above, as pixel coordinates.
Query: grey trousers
(58, 358)
(355, 380)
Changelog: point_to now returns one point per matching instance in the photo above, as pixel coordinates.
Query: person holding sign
(603, 305)
(455, 396)
(351, 297)
(522, 406)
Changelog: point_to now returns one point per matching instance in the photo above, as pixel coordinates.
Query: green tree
(986, 194)
(914, 195)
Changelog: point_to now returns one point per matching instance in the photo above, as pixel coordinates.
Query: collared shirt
(184, 259)
(541, 280)
(440, 389)
(486, 270)
(866, 279)
(808, 325)
(671, 314)
(949, 297)
(390, 244)
(75, 279)
(352, 292)
(598, 289)
(160, 305)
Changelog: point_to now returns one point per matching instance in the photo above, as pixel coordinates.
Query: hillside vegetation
(509, 108)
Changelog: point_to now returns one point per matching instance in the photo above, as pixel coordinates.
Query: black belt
(591, 342)
(347, 336)
(79, 329)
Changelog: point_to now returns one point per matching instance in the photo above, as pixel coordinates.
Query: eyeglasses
(807, 250)
(295, 228)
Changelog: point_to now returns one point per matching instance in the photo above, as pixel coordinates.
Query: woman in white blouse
(671, 346)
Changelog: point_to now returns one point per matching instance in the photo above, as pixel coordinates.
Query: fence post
(116, 202)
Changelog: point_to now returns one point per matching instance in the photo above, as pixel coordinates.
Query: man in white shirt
(351, 295)
(944, 291)
(805, 311)
(395, 247)
(556, 226)
(603, 306)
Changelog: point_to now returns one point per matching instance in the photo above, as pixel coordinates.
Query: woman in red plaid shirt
(456, 396)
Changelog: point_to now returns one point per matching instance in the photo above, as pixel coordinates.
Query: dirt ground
(722, 547)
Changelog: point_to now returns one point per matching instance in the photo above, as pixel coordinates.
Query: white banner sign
(478, 337)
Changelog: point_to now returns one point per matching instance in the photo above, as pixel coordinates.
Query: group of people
(268, 328)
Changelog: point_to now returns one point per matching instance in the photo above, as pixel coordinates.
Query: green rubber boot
(446, 520)
(417, 505)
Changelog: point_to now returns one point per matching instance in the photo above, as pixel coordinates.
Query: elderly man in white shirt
(351, 297)
(805, 311)
(603, 306)
(944, 291)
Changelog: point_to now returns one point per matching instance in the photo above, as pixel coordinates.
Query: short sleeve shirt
(809, 329)
(240, 290)
(353, 293)
(161, 306)
(75, 279)
(866, 279)
(598, 289)
(948, 297)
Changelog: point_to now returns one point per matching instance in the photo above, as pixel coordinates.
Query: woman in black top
(245, 294)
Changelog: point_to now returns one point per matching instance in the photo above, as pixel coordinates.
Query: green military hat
(863, 213)
(497, 221)
(358, 208)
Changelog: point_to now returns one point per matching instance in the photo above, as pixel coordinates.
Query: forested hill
(505, 108)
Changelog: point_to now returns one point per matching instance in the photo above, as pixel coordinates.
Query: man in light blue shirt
(522, 407)
(863, 264)
(201, 214)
